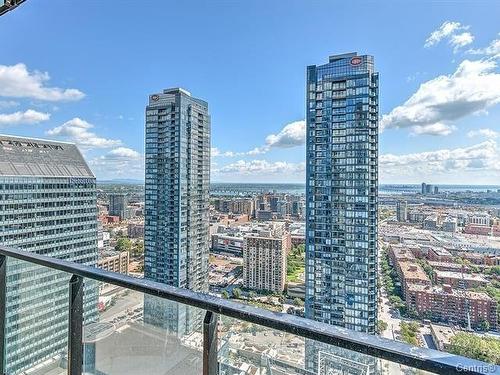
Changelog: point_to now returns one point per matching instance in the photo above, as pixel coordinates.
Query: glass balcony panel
(246, 348)
(135, 333)
(36, 319)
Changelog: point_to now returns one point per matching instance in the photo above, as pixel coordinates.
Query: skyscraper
(118, 205)
(48, 206)
(341, 196)
(176, 232)
(402, 211)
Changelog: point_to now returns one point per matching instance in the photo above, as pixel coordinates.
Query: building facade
(402, 211)
(114, 261)
(118, 206)
(341, 192)
(264, 258)
(445, 304)
(176, 230)
(48, 205)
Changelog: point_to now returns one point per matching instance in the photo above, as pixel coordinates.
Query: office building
(341, 195)
(264, 257)
(402, 211)
(48, 206)
(176, 230)
(118, 206)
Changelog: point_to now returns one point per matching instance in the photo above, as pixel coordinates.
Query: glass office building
(47, 206)
(176, 232)
(342, 182)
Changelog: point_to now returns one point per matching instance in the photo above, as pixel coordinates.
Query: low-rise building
(411, 273)
(460, 280)
(439, 254)
(450, 224)
(442, 336)
(135, 230)
(446, 266)
(114, 261)
(227, 244)
(445, 304)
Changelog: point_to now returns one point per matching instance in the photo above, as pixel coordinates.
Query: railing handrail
(399, 352)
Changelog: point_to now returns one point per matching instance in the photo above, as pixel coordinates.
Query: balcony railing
(216, 311)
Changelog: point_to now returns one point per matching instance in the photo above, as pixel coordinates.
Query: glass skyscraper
(176, 232)
(341, 192)
(47, 206)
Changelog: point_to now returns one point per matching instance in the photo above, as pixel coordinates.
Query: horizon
(439, 106)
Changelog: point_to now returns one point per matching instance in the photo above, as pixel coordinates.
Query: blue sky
(81, 71)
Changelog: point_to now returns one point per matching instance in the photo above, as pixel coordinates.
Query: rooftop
(41, 158)
(460, 275)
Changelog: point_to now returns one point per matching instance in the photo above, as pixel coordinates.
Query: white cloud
(487, 133)
(447, 29)
(124, 152)
(8, 104)
(461, 40)
(260, 170)
(121, 162)
(77, 130)
(17, 82)
(452, 165)
(27, 117)
(473, 88)
(433, 129)
(292, 135)
(493, 49)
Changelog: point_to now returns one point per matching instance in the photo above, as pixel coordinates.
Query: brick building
(452, 306)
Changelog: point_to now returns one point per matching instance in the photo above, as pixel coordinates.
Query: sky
(81, 71)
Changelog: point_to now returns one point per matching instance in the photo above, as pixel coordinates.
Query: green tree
(252, 295)
(485, 325)
(139, 248)
(236, 293)
(396, 301)
(123, 244)
(409, 332)
(482, 348)
(381, 326)
(298, 302)
(225, 294)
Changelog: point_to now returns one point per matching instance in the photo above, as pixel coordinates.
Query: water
(220, 188)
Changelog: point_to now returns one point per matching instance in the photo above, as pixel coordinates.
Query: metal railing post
(210, 361)
(75, 326)
(3, 311)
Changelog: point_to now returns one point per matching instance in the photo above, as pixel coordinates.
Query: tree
(123, 244)
(396, 301)
(236, 293)
(477, 347)
(225, 294)
(409, 332)
(252, 295)
(381, 326)
(298, 302)
(485, 325)
(139, 248)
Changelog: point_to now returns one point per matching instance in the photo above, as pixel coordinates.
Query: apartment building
(264, 257)
(114, 261)
(443, 303)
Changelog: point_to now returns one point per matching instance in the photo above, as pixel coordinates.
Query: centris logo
(356, 61)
